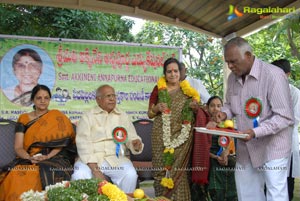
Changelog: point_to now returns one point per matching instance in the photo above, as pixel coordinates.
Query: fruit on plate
(221, 124)
(139, 193)
(228, 124)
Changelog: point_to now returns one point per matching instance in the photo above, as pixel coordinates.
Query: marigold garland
(189, 91)
(187, 118)
(167, 182)
(113, 192)
(185, 86)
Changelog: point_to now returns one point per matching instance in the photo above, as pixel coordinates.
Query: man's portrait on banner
(22, 68)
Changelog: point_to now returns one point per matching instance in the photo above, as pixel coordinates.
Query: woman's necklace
(166, 116)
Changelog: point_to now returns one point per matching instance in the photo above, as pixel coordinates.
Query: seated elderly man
(103, 134)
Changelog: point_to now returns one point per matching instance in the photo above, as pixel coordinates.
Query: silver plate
(224, 133)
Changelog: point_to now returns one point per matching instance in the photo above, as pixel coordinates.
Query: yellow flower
(189, 91)
(167, 182)
(170, 150)
(185, 86)
(161, 83)
(113, 192)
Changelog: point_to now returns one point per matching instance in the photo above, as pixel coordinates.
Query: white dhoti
(124, 176)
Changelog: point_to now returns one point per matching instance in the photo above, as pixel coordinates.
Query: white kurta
(295, 93)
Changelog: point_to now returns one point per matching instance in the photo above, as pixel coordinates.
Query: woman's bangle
(152, 113)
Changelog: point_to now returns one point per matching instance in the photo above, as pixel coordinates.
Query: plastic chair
(143, 162)
(7, 140)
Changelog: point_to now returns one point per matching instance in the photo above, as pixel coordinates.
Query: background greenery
(201, 53)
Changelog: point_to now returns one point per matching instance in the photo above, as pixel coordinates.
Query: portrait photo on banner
(23, 67)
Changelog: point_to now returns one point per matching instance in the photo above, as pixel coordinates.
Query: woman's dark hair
(37, 88)
(169, 61)
(212, 98)
(27, 52)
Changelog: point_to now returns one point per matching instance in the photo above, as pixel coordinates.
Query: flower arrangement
(189, 91)
(167, 182)
(168, 158)
(81, 190)
(187, 118)
(111, 191)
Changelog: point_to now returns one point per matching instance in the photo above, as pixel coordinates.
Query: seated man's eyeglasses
(110, 96)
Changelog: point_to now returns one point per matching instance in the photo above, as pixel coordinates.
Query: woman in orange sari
(44, 145)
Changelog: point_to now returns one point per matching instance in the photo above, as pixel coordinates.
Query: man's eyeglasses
(110, 96)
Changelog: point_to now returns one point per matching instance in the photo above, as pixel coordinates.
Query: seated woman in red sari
(45, 148)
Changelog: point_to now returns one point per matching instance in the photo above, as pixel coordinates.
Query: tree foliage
(275, 42)
(204, 55)
(63, 23)
(201, 54)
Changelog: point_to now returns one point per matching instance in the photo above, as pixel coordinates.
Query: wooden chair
(7, 140)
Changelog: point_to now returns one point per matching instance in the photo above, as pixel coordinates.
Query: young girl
(221, 176)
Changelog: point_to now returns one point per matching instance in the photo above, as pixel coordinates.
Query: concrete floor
(147, 186)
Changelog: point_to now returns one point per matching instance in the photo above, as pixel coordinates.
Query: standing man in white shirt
(195, 83)
(285, 65)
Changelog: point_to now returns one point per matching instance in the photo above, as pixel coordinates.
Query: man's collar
(98, 109)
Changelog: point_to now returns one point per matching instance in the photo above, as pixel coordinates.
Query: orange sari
(52, 130)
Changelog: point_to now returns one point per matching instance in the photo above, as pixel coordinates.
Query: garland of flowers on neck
(187, 118)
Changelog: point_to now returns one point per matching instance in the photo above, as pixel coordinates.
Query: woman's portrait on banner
(22, 68)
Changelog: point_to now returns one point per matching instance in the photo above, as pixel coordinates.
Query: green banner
(74, 69)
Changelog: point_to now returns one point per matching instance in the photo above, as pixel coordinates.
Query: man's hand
(98, 174)
(96, 171)
(137, 144)
(250, 136)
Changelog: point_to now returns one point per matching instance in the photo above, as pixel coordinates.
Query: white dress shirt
(295, 93)
(197, 84)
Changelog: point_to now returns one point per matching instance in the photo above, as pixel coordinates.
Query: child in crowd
(221, 175)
